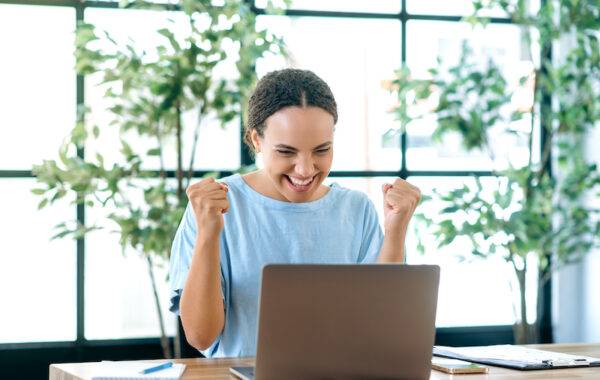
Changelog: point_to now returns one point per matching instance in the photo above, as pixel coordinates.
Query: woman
(279, 214)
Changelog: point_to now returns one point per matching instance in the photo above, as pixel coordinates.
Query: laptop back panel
(346, 321)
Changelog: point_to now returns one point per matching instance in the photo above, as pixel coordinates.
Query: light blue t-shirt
(340, 227)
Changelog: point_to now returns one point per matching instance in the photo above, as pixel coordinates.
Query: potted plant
(537, 209)
(150, 96)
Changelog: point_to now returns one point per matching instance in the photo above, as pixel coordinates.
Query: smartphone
(455, 366)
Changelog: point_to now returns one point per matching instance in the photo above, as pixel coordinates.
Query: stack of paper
(108, 370)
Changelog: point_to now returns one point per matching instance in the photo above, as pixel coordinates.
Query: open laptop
(321, 321)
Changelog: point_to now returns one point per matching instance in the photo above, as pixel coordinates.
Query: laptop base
(244, 373)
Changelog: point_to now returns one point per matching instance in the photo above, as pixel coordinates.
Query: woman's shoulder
(349, 195)
(232, 180)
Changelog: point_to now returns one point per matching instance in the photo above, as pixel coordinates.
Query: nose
(305, 166)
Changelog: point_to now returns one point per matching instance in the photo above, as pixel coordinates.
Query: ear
(255, 140)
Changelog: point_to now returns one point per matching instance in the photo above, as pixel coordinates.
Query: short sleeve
(181, 257)
(372, 235)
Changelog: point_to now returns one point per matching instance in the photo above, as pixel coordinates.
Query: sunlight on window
(37, 83)
(473, 292)
(444, 41)
(376, 6)
(37, 275)
(218, 148)
(123, 307)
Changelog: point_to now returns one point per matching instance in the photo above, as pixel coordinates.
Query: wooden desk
(218, 369)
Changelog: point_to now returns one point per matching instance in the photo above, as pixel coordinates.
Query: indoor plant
(152, 97)
(538, 210)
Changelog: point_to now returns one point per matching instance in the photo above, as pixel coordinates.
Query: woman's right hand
(209, 202)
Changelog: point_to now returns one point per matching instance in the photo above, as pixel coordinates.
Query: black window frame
(19, 355)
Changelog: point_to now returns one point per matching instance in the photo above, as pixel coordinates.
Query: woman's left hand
(399, 203)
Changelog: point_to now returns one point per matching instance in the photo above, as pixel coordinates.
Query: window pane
(376, 6)
(37, 83)
(366, 54)
(459, 8)
(448, 8)
(217, 148)
(37, 276)
(504, 45)
(472, 292)
(123, 307)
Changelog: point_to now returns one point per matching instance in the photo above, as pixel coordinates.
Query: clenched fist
(209, 202)
(399, 203)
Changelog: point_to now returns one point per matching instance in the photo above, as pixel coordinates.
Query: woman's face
(297, 151)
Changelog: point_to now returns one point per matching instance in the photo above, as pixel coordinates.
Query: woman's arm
(201, 305)
(399, 203)
(392, 249)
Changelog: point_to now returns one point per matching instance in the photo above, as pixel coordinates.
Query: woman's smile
(300, 185)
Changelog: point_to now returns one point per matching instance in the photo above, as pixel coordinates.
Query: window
(354, 45)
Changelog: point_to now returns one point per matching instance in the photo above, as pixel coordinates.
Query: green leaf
(43, 203)
(153, 152)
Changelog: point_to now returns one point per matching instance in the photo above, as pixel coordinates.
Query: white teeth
(300, 183)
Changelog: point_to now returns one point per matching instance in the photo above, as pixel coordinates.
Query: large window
(354, 45)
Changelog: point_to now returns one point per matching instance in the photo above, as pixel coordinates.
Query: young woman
(279, 214)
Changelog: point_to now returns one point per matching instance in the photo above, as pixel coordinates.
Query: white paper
(121, 370)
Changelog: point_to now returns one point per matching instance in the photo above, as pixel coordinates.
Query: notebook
(345, 321)
(516, 357)
(111, 370)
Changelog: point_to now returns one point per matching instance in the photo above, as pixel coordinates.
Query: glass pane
(472, 292)
(123, 307)
(376, 6)
(37, 275)
(37, 83)
(447, 8)
(366, 54)
(218, 148)
(459, 8)
(504, 45)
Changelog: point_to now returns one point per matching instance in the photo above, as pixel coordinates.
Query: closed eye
(324, 150)
(285, 152)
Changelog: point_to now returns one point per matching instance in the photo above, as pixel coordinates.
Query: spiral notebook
(516, 357)
(121, 370)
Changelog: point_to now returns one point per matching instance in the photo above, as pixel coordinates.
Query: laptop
(351, 321)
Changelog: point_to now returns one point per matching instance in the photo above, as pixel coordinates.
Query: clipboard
(516, 357)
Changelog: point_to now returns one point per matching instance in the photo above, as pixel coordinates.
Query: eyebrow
(320, 146)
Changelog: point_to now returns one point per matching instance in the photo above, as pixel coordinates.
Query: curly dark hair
(286, 88)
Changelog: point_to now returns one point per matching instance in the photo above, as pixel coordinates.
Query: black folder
(516, 357)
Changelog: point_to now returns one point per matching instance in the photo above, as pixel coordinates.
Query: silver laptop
(322, 321)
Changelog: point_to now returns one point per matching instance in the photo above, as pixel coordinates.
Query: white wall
(576, 289)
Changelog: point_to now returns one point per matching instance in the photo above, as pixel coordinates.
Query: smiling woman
(281, 213)
(297, 151)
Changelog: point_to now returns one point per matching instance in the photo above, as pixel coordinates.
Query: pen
(157, 368)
